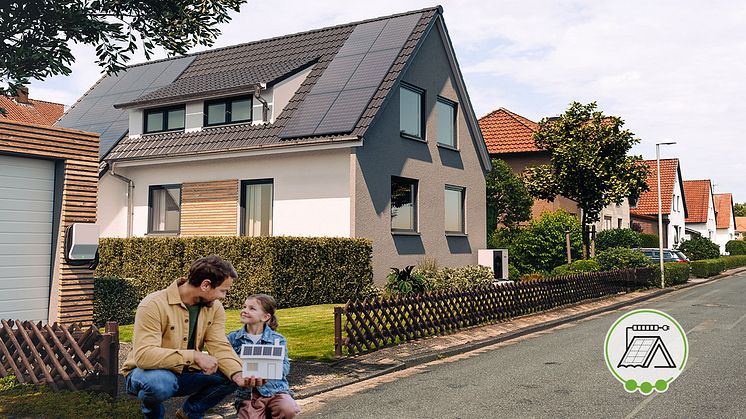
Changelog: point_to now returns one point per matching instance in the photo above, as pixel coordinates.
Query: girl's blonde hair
(269, 305)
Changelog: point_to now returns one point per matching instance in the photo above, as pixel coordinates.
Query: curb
(458, 350)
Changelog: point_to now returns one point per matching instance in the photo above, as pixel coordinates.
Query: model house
(726, 220)
(357, 130)
(263, 361)
(644, 215)
(700, 206)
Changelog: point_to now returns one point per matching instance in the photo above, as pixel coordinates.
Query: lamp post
(660, 210)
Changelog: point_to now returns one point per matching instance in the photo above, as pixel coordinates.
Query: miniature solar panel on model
(263, 361)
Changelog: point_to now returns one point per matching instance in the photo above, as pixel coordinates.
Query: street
(561, 372)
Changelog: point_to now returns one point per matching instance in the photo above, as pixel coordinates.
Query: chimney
(22, 95)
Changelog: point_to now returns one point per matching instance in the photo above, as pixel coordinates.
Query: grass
(309, 330)
(28, 401)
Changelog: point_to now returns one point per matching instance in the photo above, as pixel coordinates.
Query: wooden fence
(368, 325)
(60, 356)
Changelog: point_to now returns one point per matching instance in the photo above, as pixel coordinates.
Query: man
(172, 327)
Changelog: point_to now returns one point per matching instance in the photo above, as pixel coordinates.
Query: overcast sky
(673, 70)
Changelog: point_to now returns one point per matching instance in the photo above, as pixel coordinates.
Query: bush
(453, 278)
(297, 271)
(513, 273)
(405, 282)
(676, 273)
(708, 267)
(734, 261)
(7, 383)
(114, 299)
(700, 248)
(648, 240)
(736, 247)
(621, 258)
(533, 276)
(578, 266)
(618, 237)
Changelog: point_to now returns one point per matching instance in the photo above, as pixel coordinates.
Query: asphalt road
(561, 373)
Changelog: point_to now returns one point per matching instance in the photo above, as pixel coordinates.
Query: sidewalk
(308, 378)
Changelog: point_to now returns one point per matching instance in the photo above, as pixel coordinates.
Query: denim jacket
(272, 387)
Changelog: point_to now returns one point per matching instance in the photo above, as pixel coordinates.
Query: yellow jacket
(161, 331)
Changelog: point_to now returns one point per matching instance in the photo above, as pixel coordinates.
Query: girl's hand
(249, 382)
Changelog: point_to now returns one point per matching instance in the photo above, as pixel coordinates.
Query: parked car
(669, 255)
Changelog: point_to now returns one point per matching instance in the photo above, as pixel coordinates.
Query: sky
(672, 70)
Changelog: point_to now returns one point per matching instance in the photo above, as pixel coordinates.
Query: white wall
(724, 235)
(616, 212)
(706, 229)
(311, 190)
(676, 217)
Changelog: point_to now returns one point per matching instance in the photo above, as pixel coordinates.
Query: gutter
(130, 193)
(258, 95)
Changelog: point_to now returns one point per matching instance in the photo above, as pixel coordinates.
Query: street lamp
(660, 210)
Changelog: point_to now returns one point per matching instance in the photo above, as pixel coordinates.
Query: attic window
(228, 111)
(164, 119)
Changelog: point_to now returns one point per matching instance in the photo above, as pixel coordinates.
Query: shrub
(676, 273)
(621, 258)
(736, 247)
(699, 248)
(648, 240)
(513, 273)
(114, 299)
(297, 271)
(734, 261)
(578, 266)
(706, 268)
(405, 282)
(453, 278)
(618, 237)
(533, 276)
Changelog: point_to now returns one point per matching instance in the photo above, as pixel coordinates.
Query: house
(510, 137)
(726, 220)
(357, 130)
(21, 108)
(700, 206)
(48, 180)
(644, 215)
(740, 228)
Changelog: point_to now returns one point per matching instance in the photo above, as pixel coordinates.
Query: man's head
(213, 276)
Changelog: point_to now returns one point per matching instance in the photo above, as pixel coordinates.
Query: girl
(260, 323)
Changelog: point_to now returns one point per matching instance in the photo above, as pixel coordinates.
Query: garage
(26, 225)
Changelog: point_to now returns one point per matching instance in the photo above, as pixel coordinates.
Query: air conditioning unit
(495, 259)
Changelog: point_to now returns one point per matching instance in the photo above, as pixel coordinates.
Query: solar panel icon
(642, 350)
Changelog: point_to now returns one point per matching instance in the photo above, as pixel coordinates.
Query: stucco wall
(617, 213)
(676, 217)
(385, 154)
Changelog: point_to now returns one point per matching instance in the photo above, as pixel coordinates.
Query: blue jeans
(153, 387)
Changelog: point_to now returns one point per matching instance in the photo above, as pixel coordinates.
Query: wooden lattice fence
(368, 325)
(61, 357)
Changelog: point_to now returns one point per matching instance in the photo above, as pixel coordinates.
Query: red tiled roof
(741, 224)
(508, 132)
(697, 193)
(724, 209)
(35, 112)
(648, 202)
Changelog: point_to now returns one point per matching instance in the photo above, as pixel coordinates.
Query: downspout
(130, 193)
(258, 95)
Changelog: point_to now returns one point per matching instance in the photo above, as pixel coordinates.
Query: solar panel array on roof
(339, 97)
(95, 112)
(261, 350)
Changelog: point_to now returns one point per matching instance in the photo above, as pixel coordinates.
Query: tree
(37, 34)
(589, 161)
(508, 201)
(739, 209)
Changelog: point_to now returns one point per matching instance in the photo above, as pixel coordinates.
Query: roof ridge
(520, 118)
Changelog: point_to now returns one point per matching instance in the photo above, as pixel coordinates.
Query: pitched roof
(648, 202)
(741, 224)
(507, 132)
(724, 209)
(34, 112)
(698, 193)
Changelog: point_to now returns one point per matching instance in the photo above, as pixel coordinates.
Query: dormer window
(228, 111)
(164, 119)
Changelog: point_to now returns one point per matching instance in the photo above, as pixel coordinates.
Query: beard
(202, 302)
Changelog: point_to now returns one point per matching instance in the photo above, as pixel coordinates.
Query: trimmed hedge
(736, 247)
(676, 273)
(648, 240)
(706, 268)
(115, 299)
(578, 266)
(297, 271)
(622, 258)
(734, 261)
(617, 237)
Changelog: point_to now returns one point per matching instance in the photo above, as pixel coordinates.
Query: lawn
(309, 330)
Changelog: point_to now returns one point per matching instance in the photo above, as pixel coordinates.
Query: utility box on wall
(495, 259)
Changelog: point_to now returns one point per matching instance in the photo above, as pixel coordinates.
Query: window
(228, 111)
(256, 207)
(454, 201)
(164, 204)
(410, 112)
(446, 113)
(607, 222)
(164, 119)
(403, 204)
(618, 223)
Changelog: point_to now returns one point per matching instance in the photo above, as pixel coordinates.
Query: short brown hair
(213, 268)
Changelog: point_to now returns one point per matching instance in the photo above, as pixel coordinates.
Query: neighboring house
(21, 108)
(740, 228)
(510, 137)
(700, 206)
(726, 220)
(644, 215)
(357, 130)
(48, 180)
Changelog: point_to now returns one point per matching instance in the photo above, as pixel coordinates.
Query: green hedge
(578, 266)
(736, 247)
(297, 271)
(648, 240)
(622, 258)
(676, 273)
(706, 268)
(115, 299)
(734, 261)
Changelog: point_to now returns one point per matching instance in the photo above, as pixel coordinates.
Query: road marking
(641, 405)
(733, 325)
(705, 325)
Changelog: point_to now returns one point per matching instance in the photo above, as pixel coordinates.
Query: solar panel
(261, 351)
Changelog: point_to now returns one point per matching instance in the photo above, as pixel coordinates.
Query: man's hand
(207, 363)
(249, 382)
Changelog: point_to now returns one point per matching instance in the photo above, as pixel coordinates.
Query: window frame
(228, 110)
(454, 133)
(164, 112)
(463, 209)
(415, 207)
(242, 203)
(421, 92)
(152, 188)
